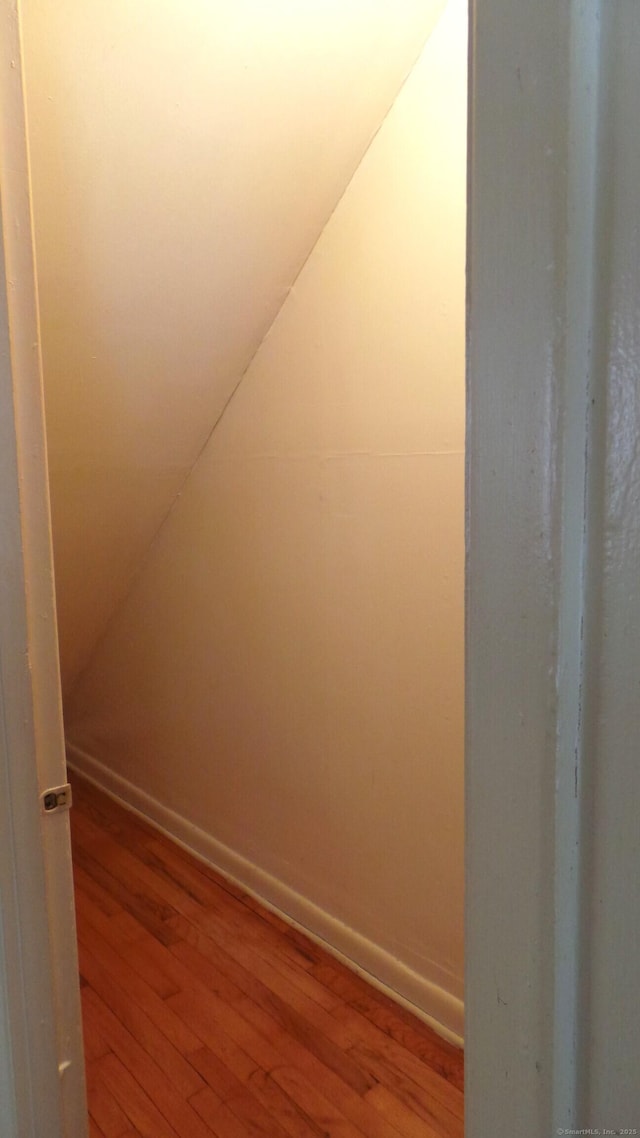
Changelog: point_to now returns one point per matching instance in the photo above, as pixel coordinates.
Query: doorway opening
(251, 280)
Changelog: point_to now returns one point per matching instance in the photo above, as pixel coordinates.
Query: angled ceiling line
(146, 556)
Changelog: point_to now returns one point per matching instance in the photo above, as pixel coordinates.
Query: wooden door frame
(41, 1060)
(532, 421)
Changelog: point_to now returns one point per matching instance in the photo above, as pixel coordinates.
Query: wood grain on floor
(207, 1015)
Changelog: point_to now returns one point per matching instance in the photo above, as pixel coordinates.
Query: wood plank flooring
(206, 1015)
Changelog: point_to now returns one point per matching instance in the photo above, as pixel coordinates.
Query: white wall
(286, 672)
(185, 157)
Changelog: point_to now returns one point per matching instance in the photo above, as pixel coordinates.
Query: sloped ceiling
(186, 155)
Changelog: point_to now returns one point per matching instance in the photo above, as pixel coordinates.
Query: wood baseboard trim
(434, 1005)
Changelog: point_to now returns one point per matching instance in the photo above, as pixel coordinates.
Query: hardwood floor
(206, 1015)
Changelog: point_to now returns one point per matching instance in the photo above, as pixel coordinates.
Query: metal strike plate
(58, 798)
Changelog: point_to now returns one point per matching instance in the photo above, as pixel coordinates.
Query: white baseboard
(425, 999)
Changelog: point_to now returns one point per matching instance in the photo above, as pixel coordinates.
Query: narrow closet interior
(249, 225)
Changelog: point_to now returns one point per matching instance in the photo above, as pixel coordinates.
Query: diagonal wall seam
(148, 552)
